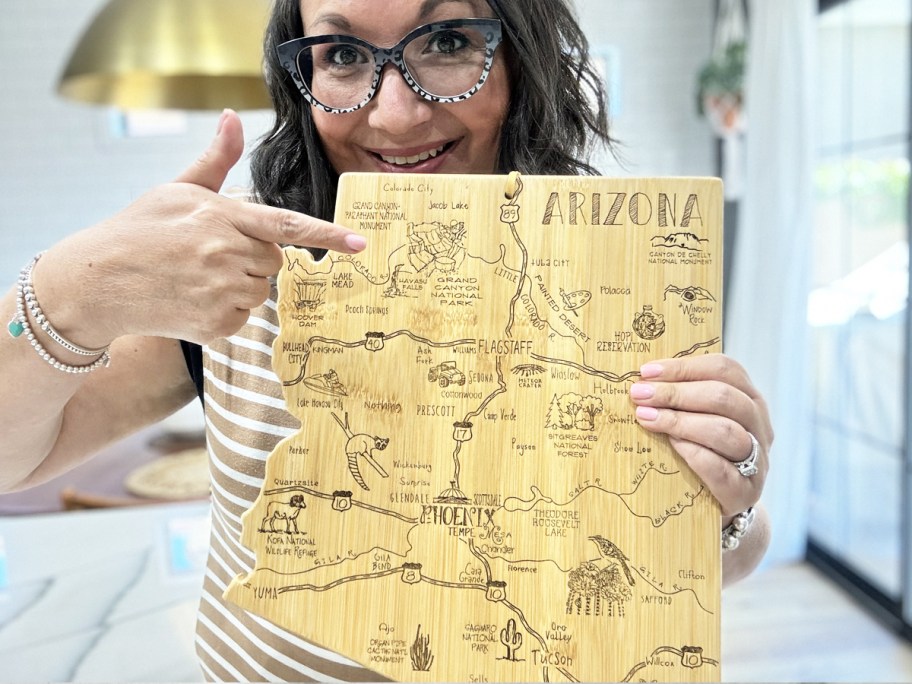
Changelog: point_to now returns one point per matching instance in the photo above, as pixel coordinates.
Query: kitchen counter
(102, 595)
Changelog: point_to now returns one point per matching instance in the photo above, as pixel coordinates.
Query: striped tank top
(245, 419)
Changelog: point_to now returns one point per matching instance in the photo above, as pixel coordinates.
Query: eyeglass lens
(445, 63)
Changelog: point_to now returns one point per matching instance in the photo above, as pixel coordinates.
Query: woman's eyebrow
(341, 23)
(337, 21)
(428, 6)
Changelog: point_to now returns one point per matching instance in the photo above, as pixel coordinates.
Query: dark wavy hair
(557, 114)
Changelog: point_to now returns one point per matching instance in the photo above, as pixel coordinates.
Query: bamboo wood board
(470, 497)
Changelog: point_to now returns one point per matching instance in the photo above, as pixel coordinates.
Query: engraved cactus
(421, 652)
(613, 589)
(592, 590)
(583, 586)
(510, 638)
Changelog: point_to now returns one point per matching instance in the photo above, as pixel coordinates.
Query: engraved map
(469, 497)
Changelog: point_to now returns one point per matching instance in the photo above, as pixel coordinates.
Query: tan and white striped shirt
(245, 419)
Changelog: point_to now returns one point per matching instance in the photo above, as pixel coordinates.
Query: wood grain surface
(470, 497)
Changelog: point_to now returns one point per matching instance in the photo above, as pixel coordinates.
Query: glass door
(858, 307)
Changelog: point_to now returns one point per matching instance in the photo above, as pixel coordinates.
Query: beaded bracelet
(27, 302)
(731, 535)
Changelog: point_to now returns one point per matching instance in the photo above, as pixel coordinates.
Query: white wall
(61, 169)
(660, 46)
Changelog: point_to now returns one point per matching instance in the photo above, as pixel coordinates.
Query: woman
(183, 263)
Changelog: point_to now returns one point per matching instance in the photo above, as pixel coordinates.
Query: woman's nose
(397, 108)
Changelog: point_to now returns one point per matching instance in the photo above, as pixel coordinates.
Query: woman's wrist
(740, 562)
(69, 305)
(737, 528)
(30, 322)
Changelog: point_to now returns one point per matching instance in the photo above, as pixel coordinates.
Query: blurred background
(801, 106)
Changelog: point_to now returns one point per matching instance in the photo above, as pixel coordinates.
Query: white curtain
(767, 329)
(731, 28)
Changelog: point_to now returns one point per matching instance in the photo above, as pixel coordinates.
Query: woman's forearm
(740, 562)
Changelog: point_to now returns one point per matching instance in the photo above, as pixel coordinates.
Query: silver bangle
(28, 291)
(27, 302)
(731, 535)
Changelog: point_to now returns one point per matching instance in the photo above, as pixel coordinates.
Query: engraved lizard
(361, 444)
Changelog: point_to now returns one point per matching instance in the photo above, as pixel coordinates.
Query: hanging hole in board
(512, 185)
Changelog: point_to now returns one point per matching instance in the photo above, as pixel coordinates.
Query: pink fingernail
(642, 390)
(646, 413)
(355, 242)
(650, 370)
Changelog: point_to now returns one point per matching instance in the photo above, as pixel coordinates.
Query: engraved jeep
(446, 373)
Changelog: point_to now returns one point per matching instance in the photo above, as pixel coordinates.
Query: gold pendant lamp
(171, 54)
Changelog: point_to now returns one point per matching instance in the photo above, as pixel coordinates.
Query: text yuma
(612, 208)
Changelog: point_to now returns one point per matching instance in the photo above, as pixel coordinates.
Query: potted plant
(720, 95)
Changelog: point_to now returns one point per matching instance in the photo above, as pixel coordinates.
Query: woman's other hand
(182, 261)
(709, 408)
(712, 413)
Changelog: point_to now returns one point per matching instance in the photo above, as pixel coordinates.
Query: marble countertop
(104, 595)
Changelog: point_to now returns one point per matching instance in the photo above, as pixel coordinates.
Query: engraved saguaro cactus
(510, 638)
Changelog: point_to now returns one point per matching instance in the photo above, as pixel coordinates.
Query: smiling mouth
(415, 159)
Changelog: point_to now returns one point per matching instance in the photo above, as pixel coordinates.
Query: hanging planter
(721, 91)
(720, 96)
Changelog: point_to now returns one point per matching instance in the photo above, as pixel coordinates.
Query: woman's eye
(343, 55)
(447, 42)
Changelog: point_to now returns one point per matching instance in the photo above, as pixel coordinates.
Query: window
(858, 306)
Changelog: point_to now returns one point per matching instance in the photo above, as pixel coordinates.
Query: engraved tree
(589, 408)
(563, 410)
(570, 406)
(553, 419)
(511, 638)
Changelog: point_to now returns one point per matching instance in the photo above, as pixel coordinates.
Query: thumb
(212, 166)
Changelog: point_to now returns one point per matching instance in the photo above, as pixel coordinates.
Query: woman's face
(398, 130)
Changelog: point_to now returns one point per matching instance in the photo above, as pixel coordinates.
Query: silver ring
(748, 466)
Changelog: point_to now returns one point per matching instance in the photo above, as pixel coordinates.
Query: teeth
(412, 160)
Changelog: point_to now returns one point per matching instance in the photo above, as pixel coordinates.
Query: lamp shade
(171, 54)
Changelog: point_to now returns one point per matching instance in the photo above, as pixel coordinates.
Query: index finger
(287, 227)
